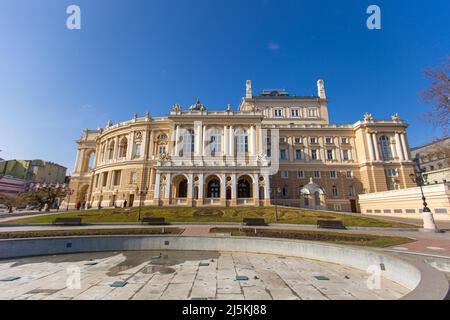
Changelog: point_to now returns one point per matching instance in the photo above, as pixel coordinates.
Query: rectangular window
(104, 179)
(116, 177)
(344, 140)
(162, 149)
(345, 155)
(333, 174)
(269, 152)
(316, 174)
(285, 191)
(282, 139)
(314, 154)
(278, 113)
(300, 174)
(313, 140)
(133, 177)
(285, 174)
(329, 140)
(298, 140)
(349, 174)
(351, 191)
(298, 154)
(392, 172)
(329, 154)
(283, 154)
(313, 113)
(295, 113)
(137, 150)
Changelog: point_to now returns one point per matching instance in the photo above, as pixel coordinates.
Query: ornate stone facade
(273, 149)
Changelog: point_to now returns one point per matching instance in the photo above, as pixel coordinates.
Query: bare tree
(46, 195)
(12, 201)
(438, 94)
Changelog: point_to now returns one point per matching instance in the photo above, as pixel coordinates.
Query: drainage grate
(156, 257)
(119, 284)
(203, 264)
(199, 298)
(91, 263)
(8, 279)
(241, 278)
(322, 278)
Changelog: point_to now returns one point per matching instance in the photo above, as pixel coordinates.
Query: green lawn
(365, 240)
(189, 214)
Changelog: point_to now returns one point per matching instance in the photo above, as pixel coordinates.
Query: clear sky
(134, 56)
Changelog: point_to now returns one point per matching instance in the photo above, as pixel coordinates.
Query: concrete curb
(425, 282)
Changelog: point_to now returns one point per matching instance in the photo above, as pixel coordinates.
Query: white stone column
(190, 191)
(266, 187)
(168, 187)
(150, 147)
(255, 188)
(157, 186)
(223, 186)
(203, 144)
(404, 147)
(231, 141)
(233, 187)
(291, 148)
(375, 145)
(116, 148)
(398, 147)
(370, 146)
(252, 141)
(177, 139)
(77, 162)
(130, 146)
(201, 185)
(226, 136)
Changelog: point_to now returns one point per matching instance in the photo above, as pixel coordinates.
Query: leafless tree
(438, 94)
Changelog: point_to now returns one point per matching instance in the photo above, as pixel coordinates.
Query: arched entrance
(213, 187)
(180, 189)
(244, 187)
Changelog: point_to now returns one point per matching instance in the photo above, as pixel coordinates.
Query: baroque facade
(276, 148)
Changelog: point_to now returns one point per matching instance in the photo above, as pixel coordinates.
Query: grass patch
(365, 240)
(87, 232)
(189, 214)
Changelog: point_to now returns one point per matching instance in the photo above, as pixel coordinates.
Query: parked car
(32, 207)
(3, 208)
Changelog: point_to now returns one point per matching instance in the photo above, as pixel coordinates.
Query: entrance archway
(213, 187)
(244, 187)
(180, 185)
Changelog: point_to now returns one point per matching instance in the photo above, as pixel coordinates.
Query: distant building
(34, 171)
(434, 159)
(12, 186)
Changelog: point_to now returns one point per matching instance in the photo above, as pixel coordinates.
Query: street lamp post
(69, 192)
(140, 194)
(275, 191)
(427, 216)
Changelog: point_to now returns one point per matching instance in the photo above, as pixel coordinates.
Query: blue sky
(134, 56)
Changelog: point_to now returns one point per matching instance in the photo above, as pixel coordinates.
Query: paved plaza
(186, 275)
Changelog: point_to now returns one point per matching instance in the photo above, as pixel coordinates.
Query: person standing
(125, 203)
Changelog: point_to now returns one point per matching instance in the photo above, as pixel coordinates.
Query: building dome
(197, 106)
(311, 188)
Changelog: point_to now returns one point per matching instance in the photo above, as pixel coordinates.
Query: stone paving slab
(178, 275)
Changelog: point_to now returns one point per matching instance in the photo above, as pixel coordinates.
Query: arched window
(123, 147)
(182, 189)
(215, 140)
(241, 141)
(385, 146)
(111, 150)
(214, 189)
(244, 189)
(188, 142)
